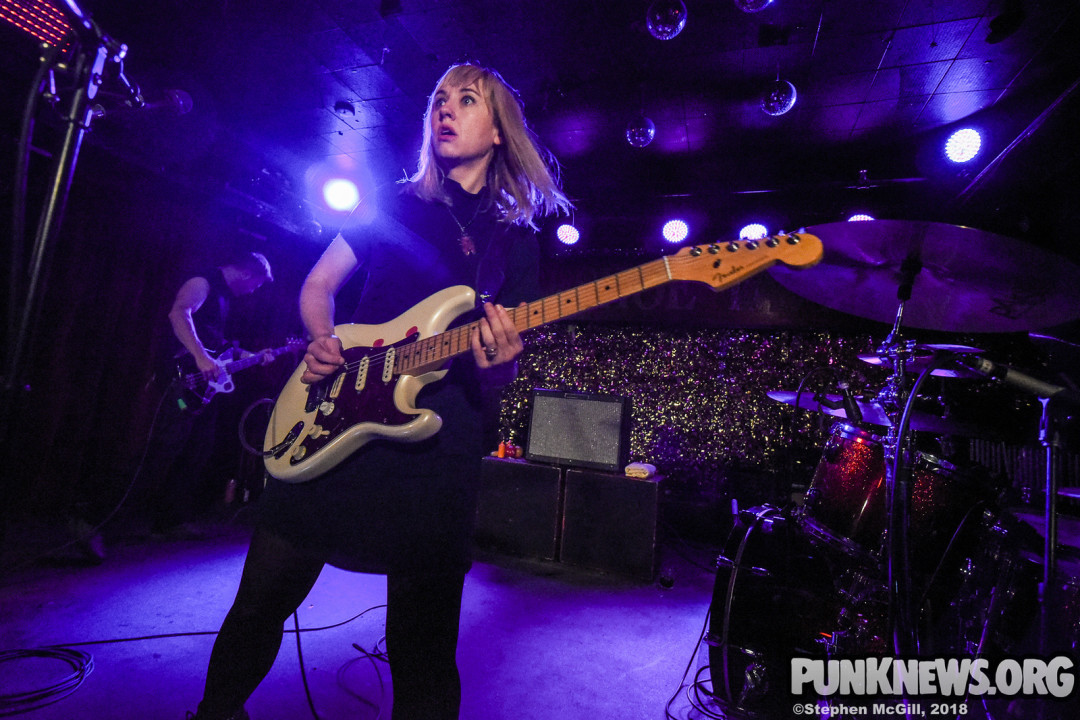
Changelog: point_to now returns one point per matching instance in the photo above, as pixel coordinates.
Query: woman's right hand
(323, 358)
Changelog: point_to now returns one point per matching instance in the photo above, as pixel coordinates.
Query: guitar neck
(456, 341)
(718, 265)
(236, 366)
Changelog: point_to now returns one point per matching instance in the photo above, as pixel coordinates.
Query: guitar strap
(491, 270)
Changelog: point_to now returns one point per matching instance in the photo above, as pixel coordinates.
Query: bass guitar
(194, 391)
(315, 427)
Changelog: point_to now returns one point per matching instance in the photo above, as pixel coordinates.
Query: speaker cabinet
(578, 429)
(609, 523)
(518, 508)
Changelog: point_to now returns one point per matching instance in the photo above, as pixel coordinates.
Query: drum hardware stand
(897, 475)
(1050, 438)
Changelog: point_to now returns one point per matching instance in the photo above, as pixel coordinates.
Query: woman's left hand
(496, 345)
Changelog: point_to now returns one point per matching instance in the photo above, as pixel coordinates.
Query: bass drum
(773, 597)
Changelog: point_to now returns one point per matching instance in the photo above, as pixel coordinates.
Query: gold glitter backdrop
(699, 409)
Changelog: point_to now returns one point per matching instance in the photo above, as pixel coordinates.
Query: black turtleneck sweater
(409, 506)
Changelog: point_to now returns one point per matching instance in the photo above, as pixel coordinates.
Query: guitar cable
(82, 664)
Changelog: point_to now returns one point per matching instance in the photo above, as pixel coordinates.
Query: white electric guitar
(194, 391)
(315, 427)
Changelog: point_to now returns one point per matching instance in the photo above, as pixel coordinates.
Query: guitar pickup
(388, 365)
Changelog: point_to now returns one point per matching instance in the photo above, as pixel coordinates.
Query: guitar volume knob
(326, 407)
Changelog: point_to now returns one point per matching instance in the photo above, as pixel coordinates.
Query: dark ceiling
(278, 85)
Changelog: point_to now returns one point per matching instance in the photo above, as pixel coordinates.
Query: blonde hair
(523, 176)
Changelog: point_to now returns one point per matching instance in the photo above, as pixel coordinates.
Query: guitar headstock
(724, 264)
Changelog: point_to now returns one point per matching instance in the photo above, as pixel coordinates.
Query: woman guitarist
(400, 509)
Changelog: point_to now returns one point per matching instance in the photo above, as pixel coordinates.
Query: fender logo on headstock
(721, 276)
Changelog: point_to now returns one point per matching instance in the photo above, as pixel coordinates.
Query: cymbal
(874, 414)
(1068, 528)
(965, 280)
(923, 354)
(1061, 355)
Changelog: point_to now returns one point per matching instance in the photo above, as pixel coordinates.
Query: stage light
(675, 231)
(963, 145)
(37, 18)
(640, 131)
(753, 231)
(340, 194)
(567, 234)
(858, 217)
(666, 18)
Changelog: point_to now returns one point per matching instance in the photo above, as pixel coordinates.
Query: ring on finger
(491, 352)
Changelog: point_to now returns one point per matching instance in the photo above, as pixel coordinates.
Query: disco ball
(666, 18)
(640, 131)
(752, 6)
(779, 99)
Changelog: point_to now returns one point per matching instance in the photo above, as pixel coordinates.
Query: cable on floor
(82, 664)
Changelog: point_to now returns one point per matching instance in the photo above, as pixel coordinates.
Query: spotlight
(858, 217)
(640, 131)
(753, 231)
(675, 231)
(963, 145)
(340, 194)
(567, 234)
(666, 18)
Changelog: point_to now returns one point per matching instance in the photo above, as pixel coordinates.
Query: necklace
(465, 241)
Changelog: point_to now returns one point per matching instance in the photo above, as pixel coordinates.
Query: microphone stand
(1050, 397)
(94, 50)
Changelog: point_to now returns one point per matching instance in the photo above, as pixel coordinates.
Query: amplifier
(578, 429)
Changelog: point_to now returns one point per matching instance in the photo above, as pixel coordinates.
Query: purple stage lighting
(675, 231)
(963, 145)
(340, 194)
(753, 231)
(567, 234)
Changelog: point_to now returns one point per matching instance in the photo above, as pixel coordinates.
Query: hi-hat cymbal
(922, 356)
(874, 414)
(964, 280)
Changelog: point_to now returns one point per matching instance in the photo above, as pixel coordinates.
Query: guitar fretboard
(456, 341)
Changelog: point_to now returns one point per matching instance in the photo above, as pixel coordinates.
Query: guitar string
(648, 271)
(651, 269)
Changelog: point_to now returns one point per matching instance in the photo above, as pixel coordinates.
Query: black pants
(177, 454)
(422, 619)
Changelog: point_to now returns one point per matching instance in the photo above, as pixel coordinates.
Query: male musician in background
(405, 509)
(182, 435)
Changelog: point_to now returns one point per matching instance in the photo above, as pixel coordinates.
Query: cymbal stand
(1050, 438)
(897, 472)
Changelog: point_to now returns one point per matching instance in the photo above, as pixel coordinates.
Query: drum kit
(895, 550)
